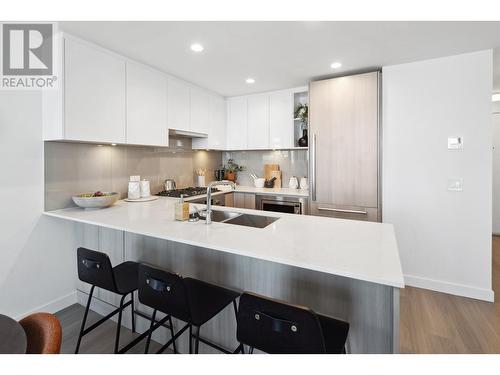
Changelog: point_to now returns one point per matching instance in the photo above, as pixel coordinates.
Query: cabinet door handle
(343, 211)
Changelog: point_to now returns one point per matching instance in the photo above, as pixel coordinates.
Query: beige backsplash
(72, 168)
(292, 163)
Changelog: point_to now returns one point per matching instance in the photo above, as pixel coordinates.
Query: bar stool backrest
(164, 291)
(277, 327)
(95, 268)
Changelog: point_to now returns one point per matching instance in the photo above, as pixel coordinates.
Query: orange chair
(43, 333)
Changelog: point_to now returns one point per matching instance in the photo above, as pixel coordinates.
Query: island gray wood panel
(108, 241)
(371, 309)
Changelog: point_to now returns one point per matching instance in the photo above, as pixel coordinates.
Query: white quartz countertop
(273, 191)
(355, 249)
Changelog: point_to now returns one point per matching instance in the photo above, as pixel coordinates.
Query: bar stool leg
(84, 320)
(133, 312)
(241, 347)
(148, 341)
(190, 339)
(117, 340)
(172, 333)
(197, 339)
(250, 351)
(235, 310)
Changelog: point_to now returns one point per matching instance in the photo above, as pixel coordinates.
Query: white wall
(496, 173)
(37, 254)
(444, 237)
(496, 167)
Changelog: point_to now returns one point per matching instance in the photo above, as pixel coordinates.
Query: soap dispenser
(182, 210)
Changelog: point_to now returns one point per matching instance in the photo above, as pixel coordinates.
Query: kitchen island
(346, 269)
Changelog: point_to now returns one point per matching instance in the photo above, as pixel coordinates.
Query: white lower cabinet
(94, 94)
(146, 106)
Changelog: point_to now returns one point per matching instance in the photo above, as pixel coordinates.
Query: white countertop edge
(341, 273)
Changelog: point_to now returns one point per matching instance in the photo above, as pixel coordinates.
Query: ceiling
(281, 55)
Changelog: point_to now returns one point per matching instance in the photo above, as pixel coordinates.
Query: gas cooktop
(187, 192)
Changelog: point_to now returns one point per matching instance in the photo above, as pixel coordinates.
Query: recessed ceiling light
(335, 65)
(196, 47)
(113, 144)
(250, 80)
(495, 98)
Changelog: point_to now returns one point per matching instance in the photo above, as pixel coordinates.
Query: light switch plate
(455, 143)
(455, 184)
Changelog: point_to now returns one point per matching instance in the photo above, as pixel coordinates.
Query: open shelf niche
(301, 97)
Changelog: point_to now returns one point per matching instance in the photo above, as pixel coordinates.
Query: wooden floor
(99, 341)
(433, 322)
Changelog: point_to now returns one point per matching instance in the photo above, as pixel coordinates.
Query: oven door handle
(297, 206)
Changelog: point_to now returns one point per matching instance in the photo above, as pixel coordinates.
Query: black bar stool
(277, 327)
(95, 268)
(192, 301)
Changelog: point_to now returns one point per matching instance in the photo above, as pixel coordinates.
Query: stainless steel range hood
(185, 134)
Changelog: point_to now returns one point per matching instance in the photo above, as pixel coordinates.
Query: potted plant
(301, 113)
(232, 170)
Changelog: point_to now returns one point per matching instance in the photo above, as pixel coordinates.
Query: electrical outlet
(455, 143)
(455, 184)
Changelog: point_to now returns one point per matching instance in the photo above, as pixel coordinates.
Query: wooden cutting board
(273, 170)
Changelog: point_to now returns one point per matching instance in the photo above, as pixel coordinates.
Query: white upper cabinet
(281, 130)
(217, 134)
(216, 139)
(237, 124)
(146, 106)
(107, 98)
(178, 108)
(94, 97)
(200, 111)
(266, 120)
(258, 122)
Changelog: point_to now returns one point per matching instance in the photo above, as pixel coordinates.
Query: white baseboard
(450, 288)
(53, 306)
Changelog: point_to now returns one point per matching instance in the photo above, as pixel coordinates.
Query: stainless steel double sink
(236, 218)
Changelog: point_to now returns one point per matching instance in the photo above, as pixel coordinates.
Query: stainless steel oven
(279, 203)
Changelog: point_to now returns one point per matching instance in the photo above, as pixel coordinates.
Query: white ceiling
(283, 54)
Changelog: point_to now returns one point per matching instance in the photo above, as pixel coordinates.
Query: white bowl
(106, 200)
(259, 182)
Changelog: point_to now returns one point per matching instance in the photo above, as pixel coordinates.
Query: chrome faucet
(208, 219)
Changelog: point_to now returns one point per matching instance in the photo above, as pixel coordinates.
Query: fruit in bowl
(98, 199)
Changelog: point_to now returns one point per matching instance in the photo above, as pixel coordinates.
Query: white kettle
(303, 183)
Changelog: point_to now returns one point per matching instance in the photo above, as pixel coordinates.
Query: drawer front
(345, 212)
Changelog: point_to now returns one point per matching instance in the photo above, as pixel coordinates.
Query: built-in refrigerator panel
(344, 147)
